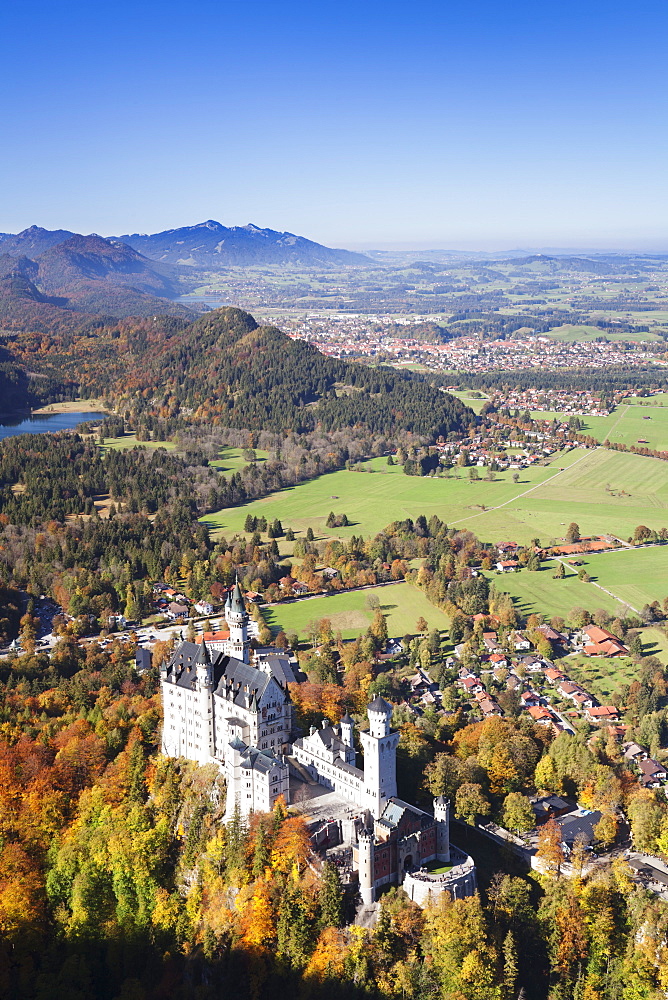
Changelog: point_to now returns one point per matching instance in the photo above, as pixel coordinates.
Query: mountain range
(47, 276)
(44, 274)
(210, 244)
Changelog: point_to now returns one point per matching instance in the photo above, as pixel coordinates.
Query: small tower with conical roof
(201, 737)
(379, 743)
(236, 617)
(204, 670)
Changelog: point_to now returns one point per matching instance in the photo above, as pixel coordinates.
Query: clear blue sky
(489, 124)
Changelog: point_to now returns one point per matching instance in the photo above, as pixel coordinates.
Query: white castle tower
(236, 617)
(365, 852)
(380, 757)
(347, 727)
(204, 698)
(442, 817)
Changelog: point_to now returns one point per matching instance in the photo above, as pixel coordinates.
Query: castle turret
(380, 757)
(379, 713)
(203, 737)
(236, 617)
(365, 852)
(442, 817)
(347, 727)
(203, 667)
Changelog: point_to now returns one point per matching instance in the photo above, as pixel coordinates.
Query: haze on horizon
(433, 125)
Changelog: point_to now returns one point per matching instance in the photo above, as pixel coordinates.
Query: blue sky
(356, 124)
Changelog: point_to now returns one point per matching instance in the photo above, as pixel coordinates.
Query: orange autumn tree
(292, 845)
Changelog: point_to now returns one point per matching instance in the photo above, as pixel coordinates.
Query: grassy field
(633, 421)
(74, 406)
(607, 492)
(541, 505)
(655, 643)
(602, 676)
(130, 441)
(382, 494)
(476, 403)
(231, 459)
(350, 614)
(540, 593)
(637, 576)
(641, 423)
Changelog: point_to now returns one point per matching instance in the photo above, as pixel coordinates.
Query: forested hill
(225, 369)
(220, 370)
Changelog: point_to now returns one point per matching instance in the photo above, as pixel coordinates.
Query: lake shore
(73, 406)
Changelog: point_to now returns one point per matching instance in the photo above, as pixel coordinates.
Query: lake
(41, 423)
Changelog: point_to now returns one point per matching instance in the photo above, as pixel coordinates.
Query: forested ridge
(225, 370)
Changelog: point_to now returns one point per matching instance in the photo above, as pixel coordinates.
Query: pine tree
(330, 897)
(378, 628)
(261, 852)
(509, 966)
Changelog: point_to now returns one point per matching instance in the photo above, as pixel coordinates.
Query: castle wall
(460, 883)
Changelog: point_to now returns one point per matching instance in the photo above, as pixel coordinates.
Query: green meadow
(540, 593)
(350, 614)
(633, 577)
(130, 441)
(232, 459)
(640, 422)
(475, 402)
(373, 498)
(602, 676)
(636, 576)
(604, 491)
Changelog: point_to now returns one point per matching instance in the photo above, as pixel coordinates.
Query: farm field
(541, 505)
(607, 492)
(633, 422)
(372, 499)
(655, 642)
(636, 576)
(641, 425)
(540, 593)
(350, 614)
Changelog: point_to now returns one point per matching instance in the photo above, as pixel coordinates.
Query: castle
(221, 708)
